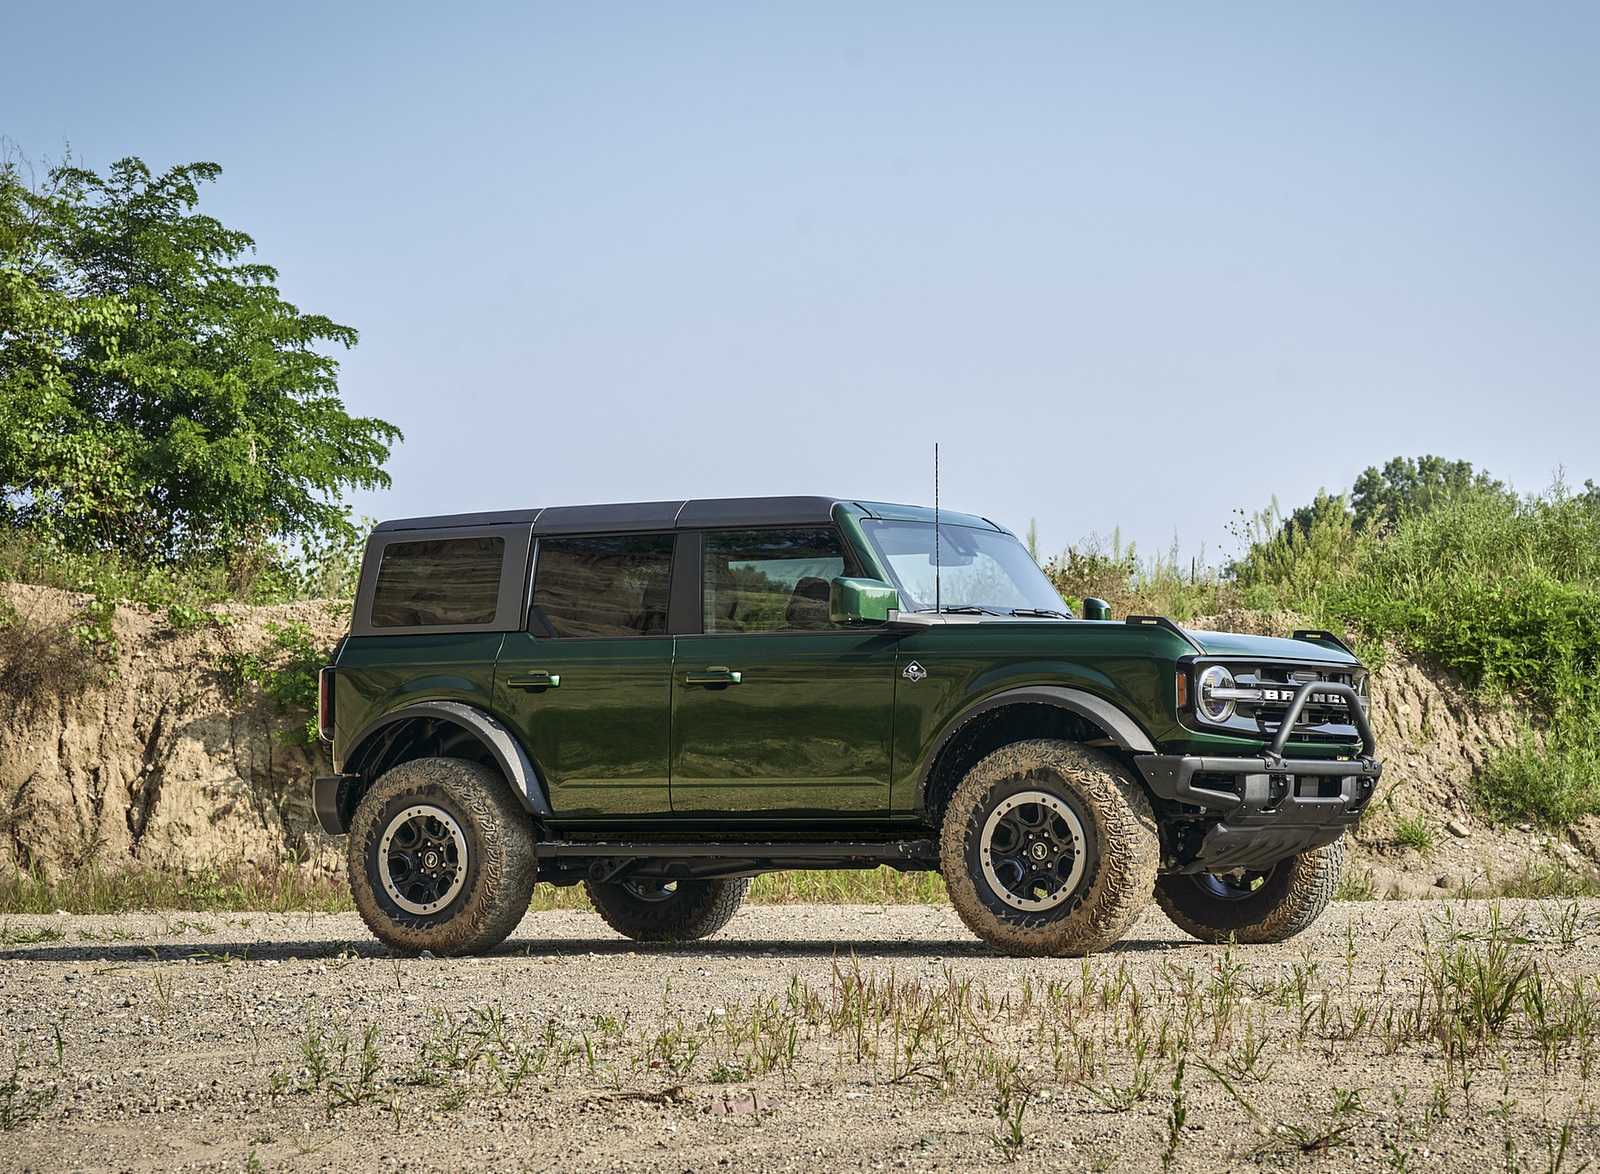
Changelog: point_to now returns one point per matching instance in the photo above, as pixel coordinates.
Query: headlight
(1207, 705)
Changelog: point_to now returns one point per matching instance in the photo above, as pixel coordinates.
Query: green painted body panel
(807, 730)
(1268, 648)
(601, 738)
(1132, 668)
(379, 674)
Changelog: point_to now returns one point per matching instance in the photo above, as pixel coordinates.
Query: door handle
(534, 681)
(716, 675)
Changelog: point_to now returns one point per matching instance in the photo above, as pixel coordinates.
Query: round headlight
(1213, 708)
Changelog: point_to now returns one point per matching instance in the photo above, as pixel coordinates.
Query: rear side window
(608, 586)
(438, 581)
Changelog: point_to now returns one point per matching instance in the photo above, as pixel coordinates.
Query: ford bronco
(662, 700)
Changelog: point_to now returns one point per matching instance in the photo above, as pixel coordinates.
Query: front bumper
(1270, 807)
(1281, 807)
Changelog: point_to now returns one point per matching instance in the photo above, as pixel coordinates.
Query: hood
(1232, 644)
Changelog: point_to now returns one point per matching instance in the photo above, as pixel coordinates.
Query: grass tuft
(92, 889)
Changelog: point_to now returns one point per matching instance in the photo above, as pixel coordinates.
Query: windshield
(978, 570)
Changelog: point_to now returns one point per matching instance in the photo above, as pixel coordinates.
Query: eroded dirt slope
(175, 762)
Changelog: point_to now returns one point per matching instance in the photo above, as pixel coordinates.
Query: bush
(40, 662)
(1160, 586)
(286, 671)
(1506, 592)
(1503, 590)
(1554, 784)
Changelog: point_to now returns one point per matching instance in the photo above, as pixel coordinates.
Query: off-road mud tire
(1105, 838)
(485, 834)
(1257, 907)
(667, 911)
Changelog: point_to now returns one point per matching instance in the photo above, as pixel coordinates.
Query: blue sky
(1132, 266)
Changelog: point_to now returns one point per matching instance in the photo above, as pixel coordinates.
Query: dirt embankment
(179, 763)
(176, 762)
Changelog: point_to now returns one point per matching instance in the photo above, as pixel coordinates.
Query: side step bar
(604, 860)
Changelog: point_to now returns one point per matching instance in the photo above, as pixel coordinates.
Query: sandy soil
(802, 1038)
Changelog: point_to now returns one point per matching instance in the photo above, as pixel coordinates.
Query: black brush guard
(1274, 807)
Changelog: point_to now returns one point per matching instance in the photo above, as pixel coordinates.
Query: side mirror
(1096, 609)
(861, 601)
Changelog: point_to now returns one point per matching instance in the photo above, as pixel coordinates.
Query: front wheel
(1048, 848)
(441, 858)
(1253, 906)
(667, 910)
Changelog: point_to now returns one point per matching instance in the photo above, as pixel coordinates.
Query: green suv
(662, 700)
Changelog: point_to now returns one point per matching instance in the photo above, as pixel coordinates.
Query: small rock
(1458, 828)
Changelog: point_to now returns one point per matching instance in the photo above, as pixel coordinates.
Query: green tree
(157, 394)
(1413, 486)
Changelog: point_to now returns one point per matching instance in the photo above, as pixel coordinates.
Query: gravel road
(1415, 1035)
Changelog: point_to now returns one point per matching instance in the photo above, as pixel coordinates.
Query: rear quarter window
(438, 581)
(418, 582)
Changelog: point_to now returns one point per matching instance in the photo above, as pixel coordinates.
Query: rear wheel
(649, 910)
(1048, 848)
(1252, 905)
(441, 857)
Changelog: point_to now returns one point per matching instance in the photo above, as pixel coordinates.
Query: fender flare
(508, 753)
(1124, 731)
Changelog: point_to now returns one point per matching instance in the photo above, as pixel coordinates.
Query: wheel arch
(1040, 711)
(441, 729)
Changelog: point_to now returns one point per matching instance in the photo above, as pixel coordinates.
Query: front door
(777, 711)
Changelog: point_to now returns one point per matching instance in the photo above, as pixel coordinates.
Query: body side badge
(914, 672)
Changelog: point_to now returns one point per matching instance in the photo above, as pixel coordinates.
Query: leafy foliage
(1447, 563)
(157, 396)
(1506, 592)
(1294, 556)
(1556, 780)
(286, 671)
(1407, 487)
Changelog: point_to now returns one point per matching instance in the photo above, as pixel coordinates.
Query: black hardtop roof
(667, 515)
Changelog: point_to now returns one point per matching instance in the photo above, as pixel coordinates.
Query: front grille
(1321, 719)
(1316, 717)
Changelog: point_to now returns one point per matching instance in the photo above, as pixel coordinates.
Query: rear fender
(503, 748)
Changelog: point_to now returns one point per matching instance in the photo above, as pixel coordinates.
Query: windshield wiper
(961, 609)
(1041, 612)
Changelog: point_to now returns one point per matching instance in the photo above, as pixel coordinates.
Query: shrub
(41, 662)
(286, 671)
(1553, 784)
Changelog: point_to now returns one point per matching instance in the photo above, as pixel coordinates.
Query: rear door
(587, 686)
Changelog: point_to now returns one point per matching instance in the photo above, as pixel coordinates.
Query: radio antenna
(938, 603)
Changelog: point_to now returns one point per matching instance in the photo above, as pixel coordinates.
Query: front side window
(974, 570)
(609, 586)
(437, 582)
(771, 580)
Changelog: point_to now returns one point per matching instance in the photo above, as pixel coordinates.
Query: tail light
(325, 703)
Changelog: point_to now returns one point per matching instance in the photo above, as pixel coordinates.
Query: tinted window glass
(771, 580)
(981, 569)
(614, 586)
(440, 581)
